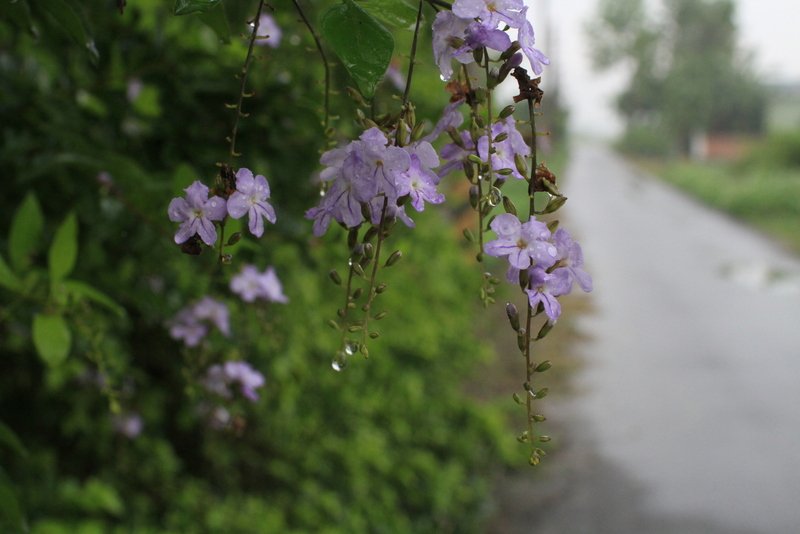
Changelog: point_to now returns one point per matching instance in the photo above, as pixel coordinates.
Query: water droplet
(552, 251)
(350, 262)
(339, 362)
(322, 192)
(495, 197)
(350, 349)
(443, 77)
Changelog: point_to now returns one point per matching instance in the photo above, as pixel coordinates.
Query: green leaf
(64, 249)
(362, 43)
(19, 12)
(394, 13)
(84, 290)
(185, 7)
(10, 510)
(7, 277)
(10, 440)
(51, 337)
(68, 20)
(216, 19)
(26, 232)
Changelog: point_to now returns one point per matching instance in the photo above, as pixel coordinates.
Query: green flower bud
(335, 278)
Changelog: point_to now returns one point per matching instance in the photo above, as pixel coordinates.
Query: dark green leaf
(18, 12)
(26, 232)
(68, 20)
(185, 7)
(10, 440)
(51, 337)
(7, 278)
(84, 290)
(10, 511)
(394, 13)
(216, 19)
(362, 43)
(64, 249)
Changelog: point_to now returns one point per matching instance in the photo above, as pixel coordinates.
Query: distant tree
(686, 72)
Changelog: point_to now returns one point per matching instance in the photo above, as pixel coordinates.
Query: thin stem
(529, 373)
(221, 239)
(534, 162)
(489, 118)
(318, 42)
(376, 260)
(243, 79)
(413, 55)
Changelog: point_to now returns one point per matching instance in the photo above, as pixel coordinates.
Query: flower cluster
(251, 284)
(551, 262)
(197, 212)
(371, 175)
(508, 147)
(475, 24)
(219, 378)
(191, 324)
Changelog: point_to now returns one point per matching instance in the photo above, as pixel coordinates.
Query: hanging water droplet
(443, 77)
(339, 362)
(322, 192)
(350, 348)
(495, 197)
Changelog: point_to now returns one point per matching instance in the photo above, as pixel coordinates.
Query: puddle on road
(762, 277)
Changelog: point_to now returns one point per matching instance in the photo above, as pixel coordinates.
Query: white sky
(768, 28)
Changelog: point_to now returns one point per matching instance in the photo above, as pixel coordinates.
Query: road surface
(686, 415)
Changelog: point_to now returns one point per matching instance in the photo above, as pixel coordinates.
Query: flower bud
(513, 316)
(510, 51)
(374, 335)
(507, 111)
(523, 438)
(356, 96)
(538, 418)
(380, 289)
(234, 238)
(380, 315)
(357, 293)
(352, 238)
(334, 276)
(517, 399)
(544, 439)
(355, 328)
(542, 393)
(546, 327)
(369, 234)
(333, 324)
(474, 159)
(477, 54)
(554, 204)
(522, 166)
(522, 339)
(393, 258)
(474, 196)
(456, 137)
(502, 136)
(358, 269)
(369, 250)
(542, 367)
(534, 459)
(468, 235)
(509, 206)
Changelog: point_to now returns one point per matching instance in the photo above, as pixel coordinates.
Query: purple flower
(526, 41)
(365, 170)
(185, 326)
(543, 290)
(570, 256)
(191, 323)
(268, 31)
(219, 378)
(420, 183)
(480, 35)
(129, 425)
(503, 157)
(451, 118)
(455, 154)
(491, 12)
(197, 212)
(251, 197)
(448, 36)
(214, 311)
(525, 244)
(250, 284)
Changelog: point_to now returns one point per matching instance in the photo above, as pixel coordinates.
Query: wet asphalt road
(686, 414)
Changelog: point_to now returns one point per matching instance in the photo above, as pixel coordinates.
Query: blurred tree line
(105, 116)
(687, 73)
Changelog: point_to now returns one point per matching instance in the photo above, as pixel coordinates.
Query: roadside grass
(767, 198)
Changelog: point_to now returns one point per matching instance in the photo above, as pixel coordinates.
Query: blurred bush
(392, 444)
